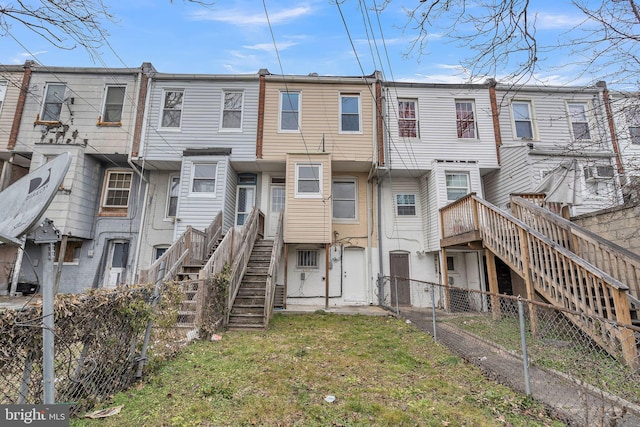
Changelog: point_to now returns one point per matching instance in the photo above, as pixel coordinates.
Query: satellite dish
(25, 200)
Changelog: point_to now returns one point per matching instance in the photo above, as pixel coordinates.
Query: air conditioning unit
(598, 172)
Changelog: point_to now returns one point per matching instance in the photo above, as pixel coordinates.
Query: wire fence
(100, 345)
(533, 347)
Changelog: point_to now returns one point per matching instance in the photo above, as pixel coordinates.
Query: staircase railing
(272, 273)
(561, 276)
(615, 260)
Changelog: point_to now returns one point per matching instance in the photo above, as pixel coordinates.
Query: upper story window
(407, 118)
(579, 121)
(344, 197)
(232, 109)
(465, 119)
(203, 178)
(633, 121)
(522, 119)
(406, 204)
(290, 111)
(117, 188)
(308, 176)
(457, 186)
(3, 92)
(350, 113)
(172, 108)
(113, 104)
(172, 196)
(53, 99)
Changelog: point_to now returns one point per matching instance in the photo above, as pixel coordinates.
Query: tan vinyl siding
(308, 220)
(350, 232)
(319, 118)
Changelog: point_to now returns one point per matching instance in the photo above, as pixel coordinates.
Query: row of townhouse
(360, 166)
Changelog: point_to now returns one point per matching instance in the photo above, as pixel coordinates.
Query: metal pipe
(525, 357)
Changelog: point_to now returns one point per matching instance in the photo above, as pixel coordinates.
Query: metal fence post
(525, 357)
(433, 311)
(147, 333)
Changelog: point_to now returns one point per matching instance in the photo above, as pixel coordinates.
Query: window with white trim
(344, 198)
(172, 196)
(408, 118)
(307, 258)
(350, 113)
(117, 189)
(53, 99)
(232, 109)
(633, 122)
(3, 92)
(406, 204)
(203, 178)
(113, 104)
(290, 111)
(522, 119)
(457, 185)
(579, 121)
(308, 180)
(172, 108)
(465, 119)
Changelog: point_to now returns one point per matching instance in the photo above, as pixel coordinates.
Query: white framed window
(290, 111)
(3, 93)
(158, 251)
(350, 113)
(579, 121)
(633, 122)
(308, 180)
(457, 185)
(408, 118)
(307, 258)
(522, 119)
(344, 196)
(113, 104)
(406, 204)
(203, 178)
(171, 108)
(53, 99)
(232, 102)
(465, 119)
(172, 196)
(117, 189)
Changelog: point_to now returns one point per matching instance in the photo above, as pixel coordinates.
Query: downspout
(495, 114)
(612, 130)
(261, 96)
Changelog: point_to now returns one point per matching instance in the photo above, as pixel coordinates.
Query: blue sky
(233, 36)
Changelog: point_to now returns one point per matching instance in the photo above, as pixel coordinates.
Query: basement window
(307, 259)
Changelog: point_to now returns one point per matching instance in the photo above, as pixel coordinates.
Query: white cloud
(241, 17)
(268, 47)
(553, 21)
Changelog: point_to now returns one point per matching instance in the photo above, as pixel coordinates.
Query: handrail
(213, 233)
(272, 272)
(555, 272)
(617, 261)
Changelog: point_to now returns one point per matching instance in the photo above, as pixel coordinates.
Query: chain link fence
(104, 339)
(533, 347)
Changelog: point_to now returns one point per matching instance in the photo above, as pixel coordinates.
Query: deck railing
(561, 276)
(272, 273)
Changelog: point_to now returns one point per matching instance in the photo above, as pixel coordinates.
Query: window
(71, 253)
(113, 103)
(450, 264)
(172, 108)
(307, 259)
(232, 110)
(290, 111)
(3, 92)
(522, 119)
(406, 204)
(579, 122)
(633, 121)
(245, 201)
(457, 186)
(117, 191)
(465, 119)
(349, 113)
(158, 251)
(203, 178)
(53, 99)
(407, 118)
(308, 180)
(343, 195)
(172, 196)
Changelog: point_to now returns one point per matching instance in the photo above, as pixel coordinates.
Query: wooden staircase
(248, 309)
(553, 266)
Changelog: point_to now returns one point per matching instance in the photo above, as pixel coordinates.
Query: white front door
(354, 283)
(245, 201)
(116, 267)
(276, 204)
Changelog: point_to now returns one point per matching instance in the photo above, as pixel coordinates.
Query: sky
(234, 37)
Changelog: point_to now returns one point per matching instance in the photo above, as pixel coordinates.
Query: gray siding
(515, 175)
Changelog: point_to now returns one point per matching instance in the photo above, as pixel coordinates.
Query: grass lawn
(381, 371)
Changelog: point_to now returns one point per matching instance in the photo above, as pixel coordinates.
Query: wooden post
(626, 335)
(526, 267)
(326, 275)
(493, 284)
(187, 245)
(445, 277)
(61, 255)
(286, 272)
